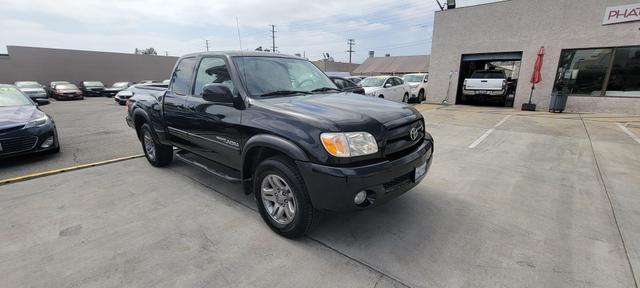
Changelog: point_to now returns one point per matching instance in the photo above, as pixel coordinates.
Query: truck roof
(242, 53)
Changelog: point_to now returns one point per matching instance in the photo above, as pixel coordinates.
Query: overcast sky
(398, 27)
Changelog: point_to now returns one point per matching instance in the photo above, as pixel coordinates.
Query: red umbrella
(536, 77)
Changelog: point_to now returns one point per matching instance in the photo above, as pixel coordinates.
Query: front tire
(421, 96)
(157, 154)
(282, 198)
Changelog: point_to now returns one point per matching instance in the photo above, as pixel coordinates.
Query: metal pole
(533, 87)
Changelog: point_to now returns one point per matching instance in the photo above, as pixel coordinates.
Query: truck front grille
(398, 182)
(399, 140)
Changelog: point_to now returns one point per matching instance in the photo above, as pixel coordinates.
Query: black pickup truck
(279, 125)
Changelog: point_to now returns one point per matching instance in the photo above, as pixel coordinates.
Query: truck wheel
(157, 154)
(282, 198)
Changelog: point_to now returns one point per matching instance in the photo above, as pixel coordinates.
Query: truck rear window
(488, 75)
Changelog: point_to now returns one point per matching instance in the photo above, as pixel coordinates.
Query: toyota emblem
(414, 133)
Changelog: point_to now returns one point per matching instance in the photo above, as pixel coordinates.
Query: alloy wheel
(149, 145)
(278, 199)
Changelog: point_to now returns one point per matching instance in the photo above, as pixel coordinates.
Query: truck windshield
(278, 76)
(488, 75)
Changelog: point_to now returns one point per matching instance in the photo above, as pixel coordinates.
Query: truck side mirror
(217, 93)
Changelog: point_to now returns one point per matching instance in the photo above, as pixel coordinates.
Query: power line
(351, 42)
(273, 38)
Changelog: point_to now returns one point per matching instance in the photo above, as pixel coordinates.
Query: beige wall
(45, 65)
(525, 25)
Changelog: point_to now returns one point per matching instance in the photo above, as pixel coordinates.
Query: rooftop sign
(620, 14)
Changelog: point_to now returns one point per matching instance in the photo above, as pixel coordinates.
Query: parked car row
(63, 90)
(409, 88)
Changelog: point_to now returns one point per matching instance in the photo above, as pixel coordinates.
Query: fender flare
(273, 142)
(136, 113)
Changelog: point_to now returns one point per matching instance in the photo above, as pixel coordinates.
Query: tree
(147, 51)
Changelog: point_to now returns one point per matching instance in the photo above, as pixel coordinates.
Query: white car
(387, 87)
(418, 83)
(33, 89)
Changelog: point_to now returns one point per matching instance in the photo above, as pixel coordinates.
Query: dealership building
(591, 51)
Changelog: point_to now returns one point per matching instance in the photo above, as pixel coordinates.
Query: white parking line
(486, 134)
(626, 130)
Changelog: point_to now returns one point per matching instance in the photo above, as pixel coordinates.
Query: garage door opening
(489, 79)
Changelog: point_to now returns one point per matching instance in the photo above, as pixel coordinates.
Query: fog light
(47, 143)
(360, 197)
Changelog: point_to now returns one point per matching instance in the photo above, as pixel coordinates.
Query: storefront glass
(612, 72)
(625, 73)
(584, 71)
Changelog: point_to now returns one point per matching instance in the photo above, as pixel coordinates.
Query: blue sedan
(24, 128)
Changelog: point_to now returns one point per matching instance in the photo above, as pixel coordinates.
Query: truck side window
(212, 71)
(182, 77)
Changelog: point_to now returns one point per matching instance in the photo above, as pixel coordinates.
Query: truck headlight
(351, 144)
(37, 122)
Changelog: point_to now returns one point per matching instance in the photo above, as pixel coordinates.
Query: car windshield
(93, 84)
(413, 78)
(10, 96)
(120, 85)
(372, 82)
(488, 75)
(270, 75)
(28, 85)
(66, 86)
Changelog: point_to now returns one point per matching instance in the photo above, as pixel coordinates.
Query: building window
(612, 72)
(624, 80)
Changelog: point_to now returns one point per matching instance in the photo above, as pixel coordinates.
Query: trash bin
(559, 100)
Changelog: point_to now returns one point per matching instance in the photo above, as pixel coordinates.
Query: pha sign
(621, 14)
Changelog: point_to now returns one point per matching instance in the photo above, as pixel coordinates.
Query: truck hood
(346, 111)
(14, 116)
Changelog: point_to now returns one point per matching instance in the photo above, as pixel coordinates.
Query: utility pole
(351, 43)
(273, 38)
(206, 43)
(166, 53)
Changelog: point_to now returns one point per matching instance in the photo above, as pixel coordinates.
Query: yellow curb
(66, 169)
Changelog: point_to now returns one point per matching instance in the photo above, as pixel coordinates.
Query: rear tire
(157, 154)
(282, 198)
(406, 96)
(381, 96)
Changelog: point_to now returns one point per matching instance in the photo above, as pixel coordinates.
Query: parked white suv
(387, 87)
(418, 83)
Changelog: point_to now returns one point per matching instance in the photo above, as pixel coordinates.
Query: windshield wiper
(284, 92)
(325, 89)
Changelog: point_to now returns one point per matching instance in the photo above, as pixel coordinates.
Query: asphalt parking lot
(513, 199)
(90, 130)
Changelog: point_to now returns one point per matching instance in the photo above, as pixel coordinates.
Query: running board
(209, 166)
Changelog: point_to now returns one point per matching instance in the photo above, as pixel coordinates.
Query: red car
(67, 92)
